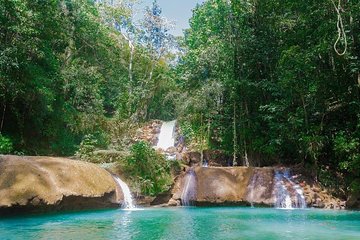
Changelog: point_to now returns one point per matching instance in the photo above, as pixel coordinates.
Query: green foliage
(6, 145)
(89, 144)
(64, 73)
(270, 68)
(187, 131)
(87, 147)
(327, 179)
(347, 149)
(149, 168)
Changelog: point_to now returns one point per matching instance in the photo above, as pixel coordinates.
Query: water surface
(187, 223)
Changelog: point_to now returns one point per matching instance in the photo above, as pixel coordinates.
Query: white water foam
(189, 190)
(167, 135)
(251, 188)
(128, 202)
(283, 195)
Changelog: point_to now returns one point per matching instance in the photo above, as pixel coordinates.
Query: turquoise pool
(187, 223)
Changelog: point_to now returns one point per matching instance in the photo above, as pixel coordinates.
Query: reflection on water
(187, 223)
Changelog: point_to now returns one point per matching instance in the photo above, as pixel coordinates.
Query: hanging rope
(341, 30)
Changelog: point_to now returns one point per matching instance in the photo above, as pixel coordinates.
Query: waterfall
(288, 194)
(189, 191)
(251, 188)
(299, 198)
(205, 163)
(128, 202)
(283, 199)
(167, 135)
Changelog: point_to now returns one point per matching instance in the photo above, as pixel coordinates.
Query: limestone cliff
(246, 186)
(41, 184)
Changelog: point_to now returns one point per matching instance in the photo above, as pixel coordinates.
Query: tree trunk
(130, 84)
(201, 142)
(132, 50)
(3, 117)
(305, 112)
(69, 50)
(234, 137)
(246, 159)
(146, 105)
(208, 132)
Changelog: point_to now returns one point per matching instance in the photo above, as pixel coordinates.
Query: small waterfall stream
(167, 135)
(128, 200)
(288, 194)
(189, 191)
(252, 187)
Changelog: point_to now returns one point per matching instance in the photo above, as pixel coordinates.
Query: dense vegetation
(260, 80)
(148, 169)
(71, 68)
(265, 78)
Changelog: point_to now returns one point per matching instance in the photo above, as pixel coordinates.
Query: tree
(275, 60)
(155, 38)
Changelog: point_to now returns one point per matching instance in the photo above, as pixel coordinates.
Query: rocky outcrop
(149, 132)
(42, 184)
(246, 186)
(320, 198)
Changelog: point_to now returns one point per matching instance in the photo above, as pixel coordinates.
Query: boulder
(193, 158)
(46, 184)
(318, 203)
(173, 203)
(162, 198)
(144, 201)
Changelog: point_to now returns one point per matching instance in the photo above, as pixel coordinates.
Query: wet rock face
(219, 185)
(247, 186)
(227, 186)
(260, 189)
(43, 184)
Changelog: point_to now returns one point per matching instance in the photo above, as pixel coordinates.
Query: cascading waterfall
(283, 199)
(299, 199)
(189, 191)
(288, 194)
(167, 135)
(128, 200)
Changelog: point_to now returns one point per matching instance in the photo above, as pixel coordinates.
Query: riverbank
(47, 184)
